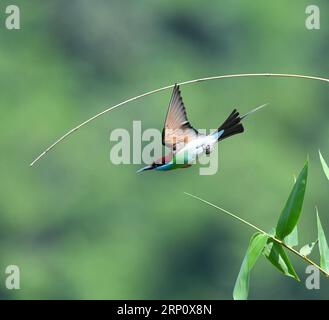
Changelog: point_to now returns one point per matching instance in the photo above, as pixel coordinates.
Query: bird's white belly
(195, 148)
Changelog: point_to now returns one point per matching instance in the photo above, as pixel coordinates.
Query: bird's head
(151, 167)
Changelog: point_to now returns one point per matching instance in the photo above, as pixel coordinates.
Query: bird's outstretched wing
(177, 130)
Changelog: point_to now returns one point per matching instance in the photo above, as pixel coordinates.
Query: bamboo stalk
(263, 232)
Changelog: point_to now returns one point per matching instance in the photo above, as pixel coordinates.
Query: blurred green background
(80, 227)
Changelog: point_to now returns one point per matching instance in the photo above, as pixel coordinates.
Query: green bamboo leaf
(274, 252)
(291, 212)
(307, 249)
(323, 245)
(292, 238)
(324, 165)
(255, 248)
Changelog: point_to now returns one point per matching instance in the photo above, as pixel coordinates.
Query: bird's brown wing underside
(177, 130)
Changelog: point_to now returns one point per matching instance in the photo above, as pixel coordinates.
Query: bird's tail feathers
(253, 111)
(232, 125)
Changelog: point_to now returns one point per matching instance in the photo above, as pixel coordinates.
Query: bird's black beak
(145, 169)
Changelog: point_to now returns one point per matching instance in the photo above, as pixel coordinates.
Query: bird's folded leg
(208, 150)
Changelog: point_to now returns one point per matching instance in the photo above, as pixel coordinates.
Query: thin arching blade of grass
(307, 249)
(292, 238)
(255, 248)
(293, 207)
(323, 245)
(324, 165)
(274, 252)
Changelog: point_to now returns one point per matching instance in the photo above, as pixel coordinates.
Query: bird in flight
(185, 142)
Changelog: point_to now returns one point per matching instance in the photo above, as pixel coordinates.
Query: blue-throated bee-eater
(185, 142)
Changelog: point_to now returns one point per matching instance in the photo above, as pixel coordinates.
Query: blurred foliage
(81, 227)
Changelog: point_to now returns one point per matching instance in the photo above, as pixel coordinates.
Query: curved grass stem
(279, 75)
(306, 259)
